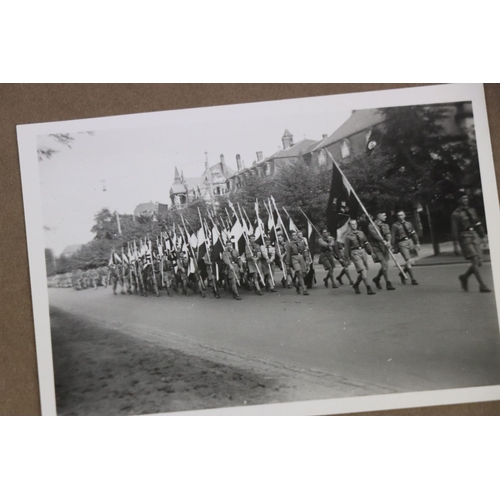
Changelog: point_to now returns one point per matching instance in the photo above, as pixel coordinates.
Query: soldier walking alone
(467, 230)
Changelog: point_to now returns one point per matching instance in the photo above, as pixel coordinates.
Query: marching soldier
(310, 274)
(167, 269)
(467, 230)
(182, 270)
(116, 277)
(285, 281)
(295, 250)
(232, 263)
(253, 256)
(344, 263)
(405, 240)
(127, 277)
(268, 254)
(356, 248)
(328, 252)
(380, 244)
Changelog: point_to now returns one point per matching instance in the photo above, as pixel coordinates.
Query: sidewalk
(426, 255)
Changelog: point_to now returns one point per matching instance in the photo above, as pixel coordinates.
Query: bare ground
(104, 371)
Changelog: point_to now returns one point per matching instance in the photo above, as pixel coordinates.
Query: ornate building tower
(287, 140)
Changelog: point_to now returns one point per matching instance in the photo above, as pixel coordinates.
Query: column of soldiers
(255, 267)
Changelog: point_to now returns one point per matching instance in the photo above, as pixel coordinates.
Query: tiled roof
(144, 207)
(361, 119)
(177, 188)
(193, 182)
(296, 150)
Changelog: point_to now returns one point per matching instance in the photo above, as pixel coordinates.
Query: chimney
(238, 162)
(324, 136)
(222, 163)
(259, 156)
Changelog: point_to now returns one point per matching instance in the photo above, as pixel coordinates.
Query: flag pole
(308, 220)
(248, 244)
(196, 272)
(270, 212)
(155, 283)
(261, 225)
(288, 215)
(280, 220)
(366, 213)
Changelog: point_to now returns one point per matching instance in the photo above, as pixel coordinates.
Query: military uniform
(253, 256)
(295, 258)
(268, 255)
(328, 252)
(167, 269)
(404, 239)
(380, 250)
(232, 261)
(356, 248)
(116, 277)
(253, 250)
(295, 255)
(467, 229)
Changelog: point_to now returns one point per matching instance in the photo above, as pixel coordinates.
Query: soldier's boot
(236, 296)
(325, 281)
(484, 289)
(376, 280)
(256, 286)
(283, 282)
(389, 286)
(369, 290)
(402, 278)
(356, 286)
(334, 285)
(464, 282)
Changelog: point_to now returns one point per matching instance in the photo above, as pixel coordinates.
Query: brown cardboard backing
(33, 103)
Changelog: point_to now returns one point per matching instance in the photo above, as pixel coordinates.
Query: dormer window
(345, 148)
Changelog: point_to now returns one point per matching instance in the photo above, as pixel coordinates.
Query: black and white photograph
(310, 256)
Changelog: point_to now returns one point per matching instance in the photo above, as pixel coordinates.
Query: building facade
(212, 182)
(268, 167)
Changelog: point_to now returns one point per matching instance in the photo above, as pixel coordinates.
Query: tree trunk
(435, 243)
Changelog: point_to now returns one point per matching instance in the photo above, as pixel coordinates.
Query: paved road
(432, 336)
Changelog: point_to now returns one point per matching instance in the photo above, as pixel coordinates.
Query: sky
(136, 164)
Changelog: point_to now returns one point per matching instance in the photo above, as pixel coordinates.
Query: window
(345, 148)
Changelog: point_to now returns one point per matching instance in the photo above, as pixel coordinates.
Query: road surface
(426, 337)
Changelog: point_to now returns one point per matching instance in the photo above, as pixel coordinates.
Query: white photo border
(27, 143)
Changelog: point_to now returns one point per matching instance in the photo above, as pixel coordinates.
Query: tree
(47, 152)
(417, 163)
(106, 225)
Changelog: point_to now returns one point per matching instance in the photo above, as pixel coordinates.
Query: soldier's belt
(404, 239)
(468, 229)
